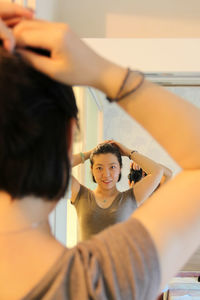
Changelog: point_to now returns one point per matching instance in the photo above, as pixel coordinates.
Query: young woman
(106, 205)
(130, 260)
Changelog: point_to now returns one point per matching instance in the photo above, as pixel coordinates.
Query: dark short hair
(34, 124)
(104, 149)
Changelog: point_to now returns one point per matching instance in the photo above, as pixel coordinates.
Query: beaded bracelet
(82, 157)
(118, 97)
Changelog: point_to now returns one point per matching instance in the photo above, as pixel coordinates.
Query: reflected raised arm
(147, 185)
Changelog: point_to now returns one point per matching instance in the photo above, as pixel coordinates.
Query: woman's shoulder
(128, 193)
(84, 192)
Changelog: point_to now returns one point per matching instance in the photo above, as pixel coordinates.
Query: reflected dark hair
(35, 112)
(135, 175)
(104, 149)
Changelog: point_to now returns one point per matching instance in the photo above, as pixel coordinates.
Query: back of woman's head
(34, 123)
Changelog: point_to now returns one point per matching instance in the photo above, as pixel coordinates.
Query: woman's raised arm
(80, 158)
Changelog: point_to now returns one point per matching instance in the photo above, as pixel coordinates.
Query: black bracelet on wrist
(118, 97)
(131, 153)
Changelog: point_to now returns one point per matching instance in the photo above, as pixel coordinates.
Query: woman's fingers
(11, 13)
(34, 34)
(39, 62)
(42, 35)
(11, 22)
(47, 36)
(74, 62)
(135, 166)
(9, 10)
(7, 37)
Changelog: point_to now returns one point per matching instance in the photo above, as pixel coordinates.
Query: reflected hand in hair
(134, 166)
(136, 174)
(124, 151)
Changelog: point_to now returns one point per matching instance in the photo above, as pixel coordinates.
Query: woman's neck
(37, 247)
(106, 193)
(25, 214)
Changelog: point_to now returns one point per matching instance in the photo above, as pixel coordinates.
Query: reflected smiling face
(106, 170)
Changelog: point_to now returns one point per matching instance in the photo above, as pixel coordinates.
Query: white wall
(129, 18)
(151, 55)
(27, 3)
(46, 9)
(123, 18)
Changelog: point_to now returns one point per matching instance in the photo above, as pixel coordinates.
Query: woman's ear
(120, 175)
(91, 168)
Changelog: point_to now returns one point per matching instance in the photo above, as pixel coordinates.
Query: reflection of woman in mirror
(106, 205)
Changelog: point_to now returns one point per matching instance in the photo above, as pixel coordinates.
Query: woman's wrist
(110, 78)
(131, 154)
(118, 82)
(85, 155)
(82, 156)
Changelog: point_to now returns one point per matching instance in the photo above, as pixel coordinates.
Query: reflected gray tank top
(93, 219)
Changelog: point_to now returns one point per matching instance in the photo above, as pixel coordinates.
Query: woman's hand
(10, 15)
(134, 166)
(71, 60)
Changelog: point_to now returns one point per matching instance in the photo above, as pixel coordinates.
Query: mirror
(130, 133)
(93, 107)
(104, 120)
